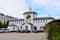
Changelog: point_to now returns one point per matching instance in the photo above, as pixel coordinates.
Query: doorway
(26, 28)
(13, 28)
(35, 28)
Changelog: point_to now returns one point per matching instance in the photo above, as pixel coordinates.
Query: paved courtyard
(23, 36)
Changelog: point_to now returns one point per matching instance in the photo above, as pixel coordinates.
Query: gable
(27, 24)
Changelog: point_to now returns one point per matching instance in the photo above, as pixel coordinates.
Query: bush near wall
(3, 25)
(53, 30)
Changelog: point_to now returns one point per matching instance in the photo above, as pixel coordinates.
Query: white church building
(30, 22)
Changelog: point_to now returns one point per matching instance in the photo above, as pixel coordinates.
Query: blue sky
(16, 8)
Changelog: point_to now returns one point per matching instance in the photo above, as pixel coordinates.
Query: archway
(35, 28)
(26, 28)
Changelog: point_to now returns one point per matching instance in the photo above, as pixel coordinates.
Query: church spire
(30, 8)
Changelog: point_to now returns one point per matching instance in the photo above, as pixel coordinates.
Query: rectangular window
(19, 21)
(41, 21)
(23, 21)
(34, 21)
(38, 21)
(46, 20)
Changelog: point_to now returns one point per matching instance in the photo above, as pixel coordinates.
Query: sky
(43, 8)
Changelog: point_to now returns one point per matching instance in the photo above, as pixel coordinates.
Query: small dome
(30, 12)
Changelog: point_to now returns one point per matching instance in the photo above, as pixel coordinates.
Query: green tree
(1, 24)
(53, 30)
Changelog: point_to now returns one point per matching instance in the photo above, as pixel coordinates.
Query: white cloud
(17, 7)
(51, 5)
(13, 7)
(42, 2)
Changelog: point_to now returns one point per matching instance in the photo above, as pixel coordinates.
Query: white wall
(29, 26)
(36, 23)
(16, 22)
(32, 17)
(39, 24)
(11, 28)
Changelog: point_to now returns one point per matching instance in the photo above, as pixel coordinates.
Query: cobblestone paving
(23, 36)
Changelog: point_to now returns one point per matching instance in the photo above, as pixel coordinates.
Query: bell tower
(30, 15)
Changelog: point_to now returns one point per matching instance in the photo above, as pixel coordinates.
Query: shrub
(53, 30)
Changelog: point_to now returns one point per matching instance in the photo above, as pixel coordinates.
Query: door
(35, 28)
(26, 28)
(15, 28)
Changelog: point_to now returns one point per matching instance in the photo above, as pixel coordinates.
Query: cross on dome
(30, 8)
